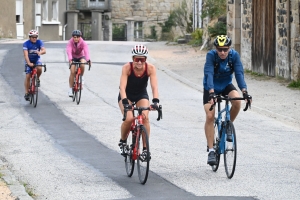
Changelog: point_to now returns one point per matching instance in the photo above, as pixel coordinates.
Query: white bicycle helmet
(139, 50)
(33, 33)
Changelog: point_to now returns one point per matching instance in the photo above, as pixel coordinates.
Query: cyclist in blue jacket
(219, 67)
(32, 50)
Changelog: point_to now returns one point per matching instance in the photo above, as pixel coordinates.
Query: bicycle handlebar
(39, 65)
(140, 109)
(219, 98)
(80, 63)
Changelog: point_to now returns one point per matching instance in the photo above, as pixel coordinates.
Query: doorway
(19, 19)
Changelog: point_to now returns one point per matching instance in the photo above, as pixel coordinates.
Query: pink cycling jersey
(79, 50)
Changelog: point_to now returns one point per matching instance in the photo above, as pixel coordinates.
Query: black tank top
(135, 84)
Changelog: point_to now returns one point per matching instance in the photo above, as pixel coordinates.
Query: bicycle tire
(34, 91)
(143, 163)
(129, 162)
(216, 147)
(230, 152)
(79, 87)
(30, 93)
(75, 88)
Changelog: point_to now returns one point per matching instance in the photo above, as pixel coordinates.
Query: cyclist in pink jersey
(78, 51)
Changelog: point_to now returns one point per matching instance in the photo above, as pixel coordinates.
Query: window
(45, 10)
(138, 29)
(55, 11)
(17, 18)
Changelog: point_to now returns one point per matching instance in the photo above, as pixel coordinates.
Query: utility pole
(199, 13)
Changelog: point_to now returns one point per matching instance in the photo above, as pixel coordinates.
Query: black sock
(123, 141)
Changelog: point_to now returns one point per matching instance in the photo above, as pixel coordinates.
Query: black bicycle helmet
(76, 33)
(222, 40)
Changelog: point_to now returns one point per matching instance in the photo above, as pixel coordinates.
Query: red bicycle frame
(32, 88)
(136, 122)
(77, 78)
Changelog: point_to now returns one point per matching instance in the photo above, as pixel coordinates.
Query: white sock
(212, 149)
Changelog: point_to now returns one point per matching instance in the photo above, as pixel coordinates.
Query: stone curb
(17, 189)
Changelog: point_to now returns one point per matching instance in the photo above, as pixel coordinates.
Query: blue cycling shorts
(28, 69)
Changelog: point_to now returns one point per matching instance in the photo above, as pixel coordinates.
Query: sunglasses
(34, 37)
(139, 59)
(76, 36)
(222, 49)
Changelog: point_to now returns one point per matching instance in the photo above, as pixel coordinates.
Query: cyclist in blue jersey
(219, 67)
(32, 50)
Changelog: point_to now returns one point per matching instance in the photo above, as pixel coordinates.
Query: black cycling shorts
(136, 97)
(226, 91)
(78, 59)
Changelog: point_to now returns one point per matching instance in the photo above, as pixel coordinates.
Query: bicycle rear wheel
(34, 90)
(79, 87)
(230, 151)
(75, 87)
(216, 147)
(143, 160)
(129, 162)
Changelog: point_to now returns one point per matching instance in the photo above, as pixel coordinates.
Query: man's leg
(209, 129)
(235, 105)
(26, 85)
(209, 125)
(39, 72)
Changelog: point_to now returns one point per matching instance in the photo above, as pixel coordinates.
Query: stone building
(266, 33)
(135, 16)
(18, 17)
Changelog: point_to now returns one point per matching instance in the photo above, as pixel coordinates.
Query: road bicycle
(33, 90)
(224, 127)
(77, 86)
(137, 140)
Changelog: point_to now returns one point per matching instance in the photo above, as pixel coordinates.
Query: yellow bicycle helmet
(222, 40)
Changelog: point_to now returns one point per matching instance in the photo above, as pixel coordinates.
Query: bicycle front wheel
(216, 147)
(79, 87)
(143, 159)
(129, 162)
(34, 90)
(30, 92)
(230, 151)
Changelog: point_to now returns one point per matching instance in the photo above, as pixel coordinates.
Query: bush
(196, 37)
(219, 28)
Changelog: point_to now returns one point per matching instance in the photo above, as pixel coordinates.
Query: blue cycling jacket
(219, 81)
(32, 48)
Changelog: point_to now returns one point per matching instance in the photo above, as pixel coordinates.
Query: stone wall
(283, 42)
(288, 44)
(8, 20)
(151, 13)
(287, 35)
(246, 33)
(295, 40)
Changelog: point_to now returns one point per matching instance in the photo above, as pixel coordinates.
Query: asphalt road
(68, 151)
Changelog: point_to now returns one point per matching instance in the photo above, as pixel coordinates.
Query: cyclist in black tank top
(133, 88)
(137, 84)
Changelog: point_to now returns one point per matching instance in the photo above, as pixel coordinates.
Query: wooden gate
(264, 37)
(86, 29)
